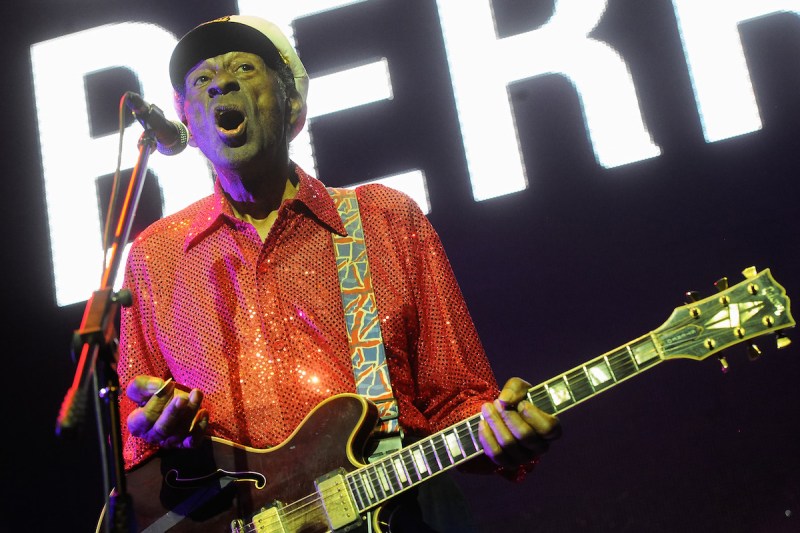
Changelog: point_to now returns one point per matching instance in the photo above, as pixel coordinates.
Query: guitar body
(206, 489)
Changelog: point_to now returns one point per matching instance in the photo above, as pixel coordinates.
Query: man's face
(237, 111)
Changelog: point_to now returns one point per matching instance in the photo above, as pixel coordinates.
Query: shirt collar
(311, 193)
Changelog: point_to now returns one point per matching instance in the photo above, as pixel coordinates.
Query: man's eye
(245, 67)
(199, 80)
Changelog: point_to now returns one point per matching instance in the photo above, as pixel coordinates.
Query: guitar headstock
(738, 314)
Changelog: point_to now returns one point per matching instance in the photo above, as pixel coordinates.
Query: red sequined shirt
(259, 326)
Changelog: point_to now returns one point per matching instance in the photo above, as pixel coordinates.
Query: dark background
(582, 261)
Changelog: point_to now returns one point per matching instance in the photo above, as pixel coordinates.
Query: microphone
(171, 136)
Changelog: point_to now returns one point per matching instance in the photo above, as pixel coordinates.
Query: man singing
(241, 323)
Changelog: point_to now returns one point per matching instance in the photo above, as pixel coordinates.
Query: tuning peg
(781, 340)
(691, 296)
(721, 284)
(723, 361)
(750, 272)
(753, 351)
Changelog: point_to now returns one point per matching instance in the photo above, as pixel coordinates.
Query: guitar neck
(598, 375)
(377, 482)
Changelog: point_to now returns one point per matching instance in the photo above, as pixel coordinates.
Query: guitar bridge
(338, 502)
(269, 519)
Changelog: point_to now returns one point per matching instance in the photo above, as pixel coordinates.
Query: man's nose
(222, 83)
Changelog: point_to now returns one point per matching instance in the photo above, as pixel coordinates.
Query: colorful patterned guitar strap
(363, 324)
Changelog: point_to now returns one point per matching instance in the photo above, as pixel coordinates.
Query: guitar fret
(420, 461)
(579, 385)
(446, 449)
(589, 379)
(375, 482)
(599, 374)
(542, 400)
(464, 440)
(570, 393)
(383, 478)
(632, 356)
(608, 363)
(399, 470)
(435, 455)
(475, 447)
(410, 466)
(370, 493)
(356, 490)
(623, 364)
(391, 474)
(559, 393)
(454, 444)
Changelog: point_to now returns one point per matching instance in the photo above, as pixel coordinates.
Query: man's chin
(233, 157)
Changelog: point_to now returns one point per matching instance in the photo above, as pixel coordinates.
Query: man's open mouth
(230, 122)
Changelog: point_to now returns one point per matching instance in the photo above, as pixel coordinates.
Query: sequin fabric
(259, 327)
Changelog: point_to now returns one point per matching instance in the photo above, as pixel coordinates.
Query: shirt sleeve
(439, 370)
(137, 350)
(454, 375)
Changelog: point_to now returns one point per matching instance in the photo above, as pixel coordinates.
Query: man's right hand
(167, 416)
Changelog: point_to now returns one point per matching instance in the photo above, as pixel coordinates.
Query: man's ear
(297, 112)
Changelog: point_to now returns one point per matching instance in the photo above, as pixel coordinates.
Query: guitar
(317, 479)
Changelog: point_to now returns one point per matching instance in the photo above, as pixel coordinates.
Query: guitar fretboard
(401, 470)
(581, 383)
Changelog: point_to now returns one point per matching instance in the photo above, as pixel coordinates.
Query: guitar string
(578, 384)
(299, 509)
(461, 429)
(313, 503)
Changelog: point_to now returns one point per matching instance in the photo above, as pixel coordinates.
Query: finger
(176, 421)
(528, 442)
(197, 429)
(497, 438)
(142, 420)
(491, 447)
(159, 400)
(141, 388)
(545, 425)
(514, 391)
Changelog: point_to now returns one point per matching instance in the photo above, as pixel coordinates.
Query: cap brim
(212, 39)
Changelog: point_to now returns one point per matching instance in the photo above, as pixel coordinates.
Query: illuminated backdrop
(586, 162)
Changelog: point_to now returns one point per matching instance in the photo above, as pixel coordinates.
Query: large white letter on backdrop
(717, 66)
(72, 160)
(482, 66)
(342, 90)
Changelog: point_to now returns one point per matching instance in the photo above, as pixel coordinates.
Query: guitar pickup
(338, 502)
(269, 519)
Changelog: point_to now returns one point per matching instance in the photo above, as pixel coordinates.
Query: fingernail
(154, 385)
(202, 423)
(165, 389)
(194, 396)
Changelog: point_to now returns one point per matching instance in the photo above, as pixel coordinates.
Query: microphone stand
(97, 341)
